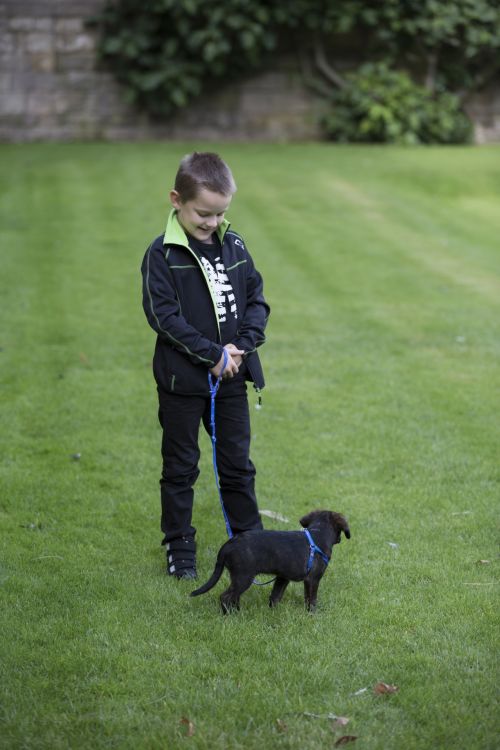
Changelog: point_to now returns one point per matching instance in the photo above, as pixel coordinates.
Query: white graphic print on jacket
(221, 287)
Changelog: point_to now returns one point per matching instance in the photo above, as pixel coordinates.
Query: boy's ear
(175, 199)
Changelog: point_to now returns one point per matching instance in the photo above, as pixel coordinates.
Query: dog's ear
(306, 520)
(340, 523)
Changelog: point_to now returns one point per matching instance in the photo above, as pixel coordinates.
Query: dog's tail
(219, 567)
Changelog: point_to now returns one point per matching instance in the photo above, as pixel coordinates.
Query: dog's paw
(229, 606)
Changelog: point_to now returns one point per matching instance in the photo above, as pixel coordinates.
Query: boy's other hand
(236, 354)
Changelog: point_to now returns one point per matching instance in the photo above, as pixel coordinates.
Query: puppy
(288, 555)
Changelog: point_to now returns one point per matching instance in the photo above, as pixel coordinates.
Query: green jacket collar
(175, 234)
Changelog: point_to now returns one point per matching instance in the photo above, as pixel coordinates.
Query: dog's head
(335, 520)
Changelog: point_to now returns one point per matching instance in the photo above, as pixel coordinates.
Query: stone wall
(51, 88)
(484, 110)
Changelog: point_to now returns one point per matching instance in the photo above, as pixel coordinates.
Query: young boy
(202, 295)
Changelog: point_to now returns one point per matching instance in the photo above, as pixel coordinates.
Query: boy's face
(201, 216)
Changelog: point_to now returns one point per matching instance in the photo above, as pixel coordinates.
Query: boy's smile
(202, 215)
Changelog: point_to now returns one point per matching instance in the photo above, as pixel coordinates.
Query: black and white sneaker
(181, 557)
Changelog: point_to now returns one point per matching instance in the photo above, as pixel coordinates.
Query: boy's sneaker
(181, 557)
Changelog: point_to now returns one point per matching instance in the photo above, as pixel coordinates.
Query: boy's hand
(236, 354)
(232, 366)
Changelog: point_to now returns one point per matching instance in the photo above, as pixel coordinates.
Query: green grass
(382, 269)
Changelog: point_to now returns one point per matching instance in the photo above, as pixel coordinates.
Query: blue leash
(213, 384)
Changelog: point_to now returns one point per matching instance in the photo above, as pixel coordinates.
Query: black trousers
(180, 417)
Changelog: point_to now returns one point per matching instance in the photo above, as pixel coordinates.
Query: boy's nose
(212, 222)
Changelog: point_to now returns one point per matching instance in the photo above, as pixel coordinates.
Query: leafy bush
(382, 105)
(167, 52)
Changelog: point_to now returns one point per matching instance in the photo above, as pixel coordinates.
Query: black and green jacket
(180, 307)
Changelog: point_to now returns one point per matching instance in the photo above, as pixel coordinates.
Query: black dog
(289, 555)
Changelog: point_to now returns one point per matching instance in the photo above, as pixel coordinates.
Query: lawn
(382, 268)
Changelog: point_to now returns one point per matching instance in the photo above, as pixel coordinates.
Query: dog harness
(314, 550)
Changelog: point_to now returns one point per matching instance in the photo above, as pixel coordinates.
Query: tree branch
(324, 66)
(314, 82)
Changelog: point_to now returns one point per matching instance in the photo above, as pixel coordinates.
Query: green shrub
(168, 52)
(382, 105)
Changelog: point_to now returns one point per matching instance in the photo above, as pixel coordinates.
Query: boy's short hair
(203, 170)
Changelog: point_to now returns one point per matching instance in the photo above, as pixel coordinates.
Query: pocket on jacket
(174, 373)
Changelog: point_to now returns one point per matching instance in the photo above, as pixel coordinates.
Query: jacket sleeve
(251, 329)
(163, 312)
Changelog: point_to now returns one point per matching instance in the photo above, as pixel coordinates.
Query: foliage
(169, 52)
(384, 105)
(457, 42)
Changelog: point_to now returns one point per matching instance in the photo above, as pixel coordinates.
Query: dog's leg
(230, 599)
(311, 593)
(278, 590)
(228, 602)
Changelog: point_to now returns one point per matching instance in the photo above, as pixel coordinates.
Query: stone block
(83, 63)
(69, 26)
(12, 103)
(21, 24)
(39, 104)
(75, 9)
(38, 42)
(29, 8)
(7, 45)
(71, 43)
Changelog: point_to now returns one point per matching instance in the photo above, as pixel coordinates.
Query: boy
(202, 295)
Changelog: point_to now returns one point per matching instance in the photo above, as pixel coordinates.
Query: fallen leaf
(189, 724)
(276, 516)
(393, 545)
(340, 721)
(483, 562)
(382, 688)
(345, 739)
(83, 358)
(319, 716)
(358, 692)
(281, 726)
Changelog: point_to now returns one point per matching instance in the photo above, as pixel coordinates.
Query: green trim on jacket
(175, 235)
